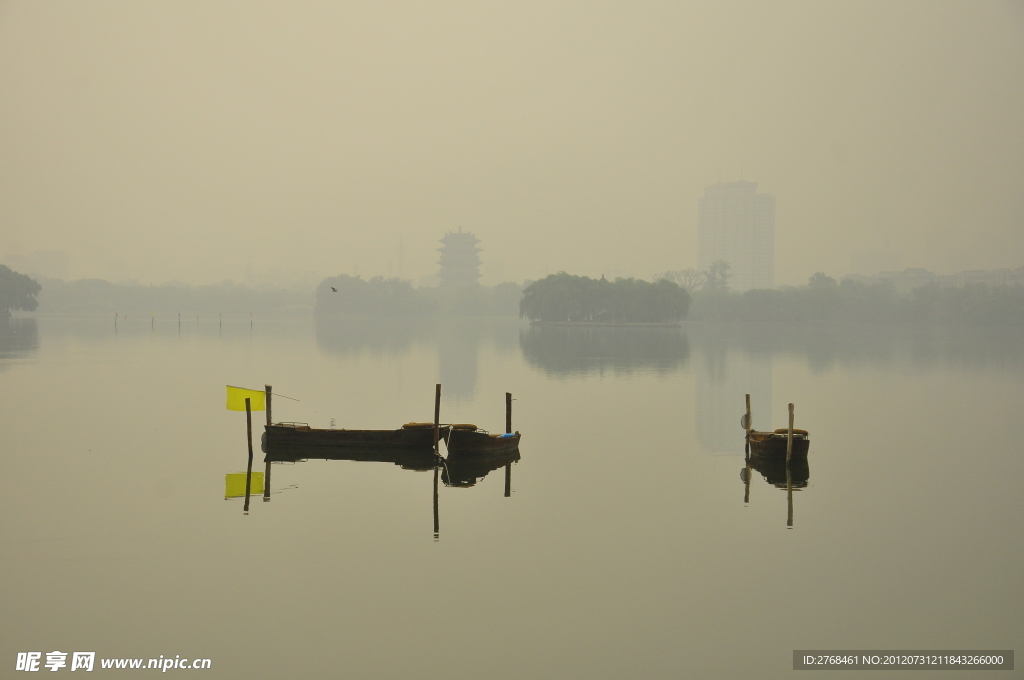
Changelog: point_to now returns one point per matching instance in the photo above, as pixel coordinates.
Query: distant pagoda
(460, 261)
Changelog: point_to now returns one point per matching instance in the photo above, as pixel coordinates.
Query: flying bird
(333, 289)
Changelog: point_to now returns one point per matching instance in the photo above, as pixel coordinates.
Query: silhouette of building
(460, 259)
(737, 225)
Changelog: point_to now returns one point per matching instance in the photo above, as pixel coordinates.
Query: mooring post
(508, 413)
(267, 388)
(437, 414)
(747, 426)
(248, 471)
(748, 423)
(266, 473)
(508, 480)
(789, 439)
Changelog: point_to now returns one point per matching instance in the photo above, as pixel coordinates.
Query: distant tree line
(17, 291)
(97, 295)
(715, 277)
(353, 296)
(824, 299)
(565, 297)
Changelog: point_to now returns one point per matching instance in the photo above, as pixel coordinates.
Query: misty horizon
(200, 142)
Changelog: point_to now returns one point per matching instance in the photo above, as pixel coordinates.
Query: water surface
(625, 548)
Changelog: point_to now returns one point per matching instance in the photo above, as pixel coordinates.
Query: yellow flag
(234, 485)
(237, 396)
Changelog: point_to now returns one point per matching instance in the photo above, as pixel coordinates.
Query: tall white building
(736, 224)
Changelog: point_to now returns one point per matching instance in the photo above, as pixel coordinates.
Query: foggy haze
(211, 141)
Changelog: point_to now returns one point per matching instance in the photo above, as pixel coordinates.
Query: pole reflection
(790, 477)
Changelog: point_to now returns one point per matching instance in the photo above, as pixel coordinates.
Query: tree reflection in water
(566, 350)
(18, 339)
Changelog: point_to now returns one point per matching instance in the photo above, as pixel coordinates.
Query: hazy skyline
(201, 141)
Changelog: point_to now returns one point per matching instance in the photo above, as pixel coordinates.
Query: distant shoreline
(615, 324)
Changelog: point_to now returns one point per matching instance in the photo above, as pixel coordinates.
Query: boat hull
(291, 442)
(463, 441)
(773, 445)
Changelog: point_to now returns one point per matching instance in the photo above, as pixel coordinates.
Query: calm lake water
(624, 551)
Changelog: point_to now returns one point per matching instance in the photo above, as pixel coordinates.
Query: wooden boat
(461, 439)
(296, 441)
(461, 468)
(773, 444)
(292, 441)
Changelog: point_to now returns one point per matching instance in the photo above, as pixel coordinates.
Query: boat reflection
(460, 469)
(791, 476)
(465, 470)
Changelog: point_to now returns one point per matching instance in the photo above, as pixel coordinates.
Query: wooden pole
(746, 456)
(508, 413)
(266, 472)
(437, 415)
(749, 423)
(437, 520)
(789, 439)
(789, 476)
(267, 388)
(508, 480)
(248, 471)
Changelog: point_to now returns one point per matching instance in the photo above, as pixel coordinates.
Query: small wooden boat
(773, 444)
(461, 439)
(286, 441)
(295, 441)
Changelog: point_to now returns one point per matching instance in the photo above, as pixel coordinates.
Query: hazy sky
(191, 140)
